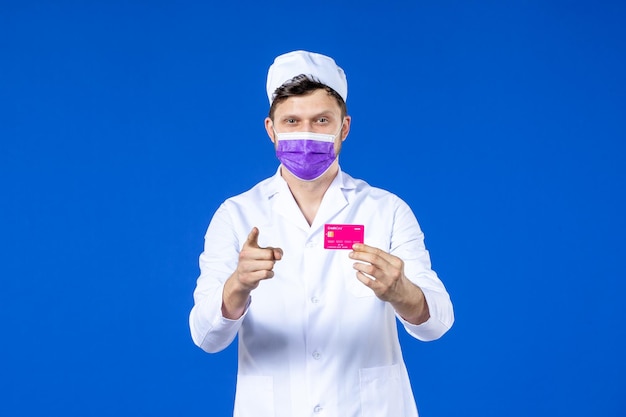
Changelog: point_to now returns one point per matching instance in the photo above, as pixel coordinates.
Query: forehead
(316, 102)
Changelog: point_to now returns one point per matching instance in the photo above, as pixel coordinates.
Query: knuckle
(397, 276)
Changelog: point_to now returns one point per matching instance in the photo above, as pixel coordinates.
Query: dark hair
(301, 85)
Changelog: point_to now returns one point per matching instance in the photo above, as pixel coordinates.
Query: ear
(346, 127)
(269, 128)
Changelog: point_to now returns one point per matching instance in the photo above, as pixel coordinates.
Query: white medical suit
(315, 341)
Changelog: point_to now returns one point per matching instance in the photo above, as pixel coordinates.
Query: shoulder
(363, 189)
(260, 192)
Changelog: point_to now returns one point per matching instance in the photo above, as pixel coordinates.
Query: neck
(309, 194)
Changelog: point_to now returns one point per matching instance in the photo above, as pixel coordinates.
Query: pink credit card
(342, 236)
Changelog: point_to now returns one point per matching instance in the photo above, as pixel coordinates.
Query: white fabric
(321, 137)
(314, 338)
(295, 63)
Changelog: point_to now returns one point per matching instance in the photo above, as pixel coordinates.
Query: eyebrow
(326, 113)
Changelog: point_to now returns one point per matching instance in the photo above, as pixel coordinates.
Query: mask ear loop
(340, 128)
(275, 133)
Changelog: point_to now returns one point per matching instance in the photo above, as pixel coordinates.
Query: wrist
(413, 308)
(235, 298)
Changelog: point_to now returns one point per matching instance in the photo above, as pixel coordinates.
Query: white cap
(321, 67)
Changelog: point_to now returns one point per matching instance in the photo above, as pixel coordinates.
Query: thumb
(253, 238)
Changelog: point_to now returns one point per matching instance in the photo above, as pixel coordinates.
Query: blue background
(124, 124)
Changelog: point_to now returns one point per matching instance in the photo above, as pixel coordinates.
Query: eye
(290, 121)
(323, 120)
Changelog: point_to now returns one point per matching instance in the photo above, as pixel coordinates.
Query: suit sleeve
(209, 329)
(408, 244)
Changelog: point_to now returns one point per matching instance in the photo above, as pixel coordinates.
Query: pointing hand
(256, 263)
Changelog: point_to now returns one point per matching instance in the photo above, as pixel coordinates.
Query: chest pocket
(356, 287)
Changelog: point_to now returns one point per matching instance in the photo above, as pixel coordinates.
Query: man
(316, 323)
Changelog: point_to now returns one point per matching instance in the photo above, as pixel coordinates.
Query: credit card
(342, 236)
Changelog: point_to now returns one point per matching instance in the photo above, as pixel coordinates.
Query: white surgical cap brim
(321, 67)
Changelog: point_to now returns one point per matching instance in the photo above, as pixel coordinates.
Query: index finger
(362, 247)
(363, 252)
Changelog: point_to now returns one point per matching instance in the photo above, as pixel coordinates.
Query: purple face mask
(306, 155)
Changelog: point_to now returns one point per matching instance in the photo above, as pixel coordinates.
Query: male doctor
(311, 268)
